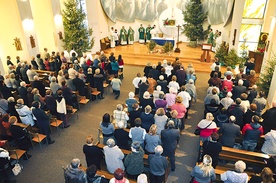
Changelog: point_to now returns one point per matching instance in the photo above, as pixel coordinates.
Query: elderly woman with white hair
(191, 89)
(207, 126)
(39, 98)
(98, 82)
(113, 156)
(25, 114)
(142, 178)
(235, 176)
(204, 172)
(156, 93)
(147, 118)
(130, 101)
(227, 101)
(120, 115)
(54, 86)
(147, 100)
(170, 97)
(122, 136)
(143, 86)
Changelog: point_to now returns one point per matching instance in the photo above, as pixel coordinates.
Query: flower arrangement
(169, 22)
(261, 48)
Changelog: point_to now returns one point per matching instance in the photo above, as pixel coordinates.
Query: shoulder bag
(198, 130)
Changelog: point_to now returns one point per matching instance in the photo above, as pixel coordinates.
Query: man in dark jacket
(237, 111)
(252, 133)
(170, 138)
(229, 132)
(39, 85)
(42, 121)
(238, 90)
(157, 165)
(269, 118)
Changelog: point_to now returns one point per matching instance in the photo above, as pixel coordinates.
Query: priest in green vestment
(123, 36)
(141, 31)
(210, 39)
(148, 35)
(130, 35)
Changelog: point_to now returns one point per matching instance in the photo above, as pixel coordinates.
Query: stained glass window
(254, 8)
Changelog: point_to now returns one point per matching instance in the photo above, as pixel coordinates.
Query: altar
(162, 41)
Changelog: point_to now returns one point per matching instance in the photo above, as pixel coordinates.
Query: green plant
(151, 45)
(244, 51)
(221, 53)
(77, 35)
(232, 58)
(267, 74)
(194, 18)
(168, 47)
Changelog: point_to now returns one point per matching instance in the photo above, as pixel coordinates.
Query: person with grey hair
(54, 86)
(80, 85)
(146, 100)
(163, 83)
(25, 114)
(116, 86)
(170, 138)
(235, 176)
(134, 162)
(11, 108)
(120, 115)
(39, 85)
(73, 172)
(130, 101)
(143, 86)
(191, 89)
(227, 101)
(156, 93)
(157, 165)
(238, 90)
(136, 133)
(147, 118)
(98, 82)
(229, 132)
(113, 156)
(122, 136)
(238, 111)
(142, 178)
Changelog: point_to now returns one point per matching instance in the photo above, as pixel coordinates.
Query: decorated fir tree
(221, 53)
(266, 75)
(194, 18)
(77, 34)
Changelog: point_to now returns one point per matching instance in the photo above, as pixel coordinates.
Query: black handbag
(198, 130)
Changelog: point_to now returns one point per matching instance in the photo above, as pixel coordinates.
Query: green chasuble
(148, 29)
(141, 33)
(210, 38)
(131, 34)
(123, 34)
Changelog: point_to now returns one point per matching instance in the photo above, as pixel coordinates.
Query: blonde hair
(174, 78)
(206, 165)
(174, 113)
(179, 99)
(13, 119)
(160, 111)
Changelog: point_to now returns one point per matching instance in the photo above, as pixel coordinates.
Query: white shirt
(73, 51)
(61, 106)
(186, 98)
(136, 81)
(72, 73)
(67, 55)
(174, 84)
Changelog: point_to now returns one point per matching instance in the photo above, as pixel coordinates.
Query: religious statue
(17, 44)
(32, 41)
(60, 35)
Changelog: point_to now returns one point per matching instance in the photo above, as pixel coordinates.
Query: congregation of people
(149, 122)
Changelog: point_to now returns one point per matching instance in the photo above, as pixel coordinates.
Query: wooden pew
(106, 174)
(126, 152)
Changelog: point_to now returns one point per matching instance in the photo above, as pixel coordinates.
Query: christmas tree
(194, 18)
(266, 75)
(77, 34)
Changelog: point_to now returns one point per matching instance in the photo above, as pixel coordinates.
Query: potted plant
(168, 47)
(221, 53)
(151, 45)
(232, 59)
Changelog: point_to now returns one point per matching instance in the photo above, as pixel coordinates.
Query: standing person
(119, 177)
(207, 126)
(130, 101)
(181, 110)
(147, 118)
(251, 134)
(107, 128)
(61, 108)
(122, 136)
(135, 82)
(204, 172)
(25, 114)
(120, 115)
(160, 120)
(98, 82)
(73, 172)
(236, 176)
(93, 154)
(137, 134)
(141, 31)
(157, 165)
(113, 156)
(152, 139)
(269, 146)
(121, 65)
(42, 121)
(114, 66)
(134, 162)
(229, 132)
(22, 90)
(218, 41)
(116, 85)
(123, 36)
(210, 39)
(269, 118)
(250, 65)
(212, 148)
(112, 37)
(5, 167)
(148, 35)
(170, 138)
(116, 37)
(130, 35)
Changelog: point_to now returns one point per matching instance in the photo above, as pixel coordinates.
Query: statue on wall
(32, 41)
(17, 44)
(60, 35)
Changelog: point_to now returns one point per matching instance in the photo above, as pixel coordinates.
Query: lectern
(205, 56)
